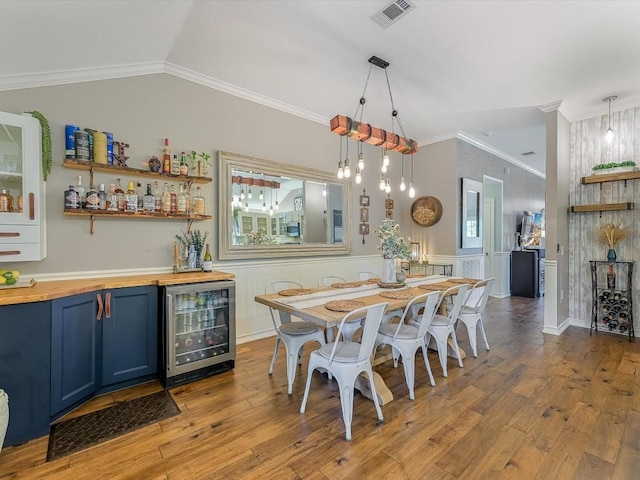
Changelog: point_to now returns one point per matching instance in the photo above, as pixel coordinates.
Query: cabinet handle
(10, 252)
(99, 298)
(32, 206)
(9, 234)
(107, 304)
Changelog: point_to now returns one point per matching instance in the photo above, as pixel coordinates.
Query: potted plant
(392, 245)
(192, 242)
(614, 167)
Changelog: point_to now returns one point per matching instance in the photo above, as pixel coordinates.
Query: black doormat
(88, 430)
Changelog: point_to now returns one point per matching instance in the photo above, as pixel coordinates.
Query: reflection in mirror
(273, 209)
(471, 227)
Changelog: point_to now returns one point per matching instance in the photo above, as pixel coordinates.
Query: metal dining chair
(346, 360)
(294, 334)
(406, 339)
(471, 312)
(327, 280)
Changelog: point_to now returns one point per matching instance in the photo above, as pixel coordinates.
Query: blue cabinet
(102, 341)
(25, 341)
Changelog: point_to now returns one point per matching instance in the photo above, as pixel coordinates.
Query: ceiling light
(609, 135)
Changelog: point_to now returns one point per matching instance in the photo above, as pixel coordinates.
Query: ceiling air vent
(393, 12)
(528, 154)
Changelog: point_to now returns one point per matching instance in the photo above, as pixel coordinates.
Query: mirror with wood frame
(271, 209)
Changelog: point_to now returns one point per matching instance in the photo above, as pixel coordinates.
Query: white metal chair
(361, 276)
(346, 360)
(293, 334)
(442, 326)
(406, 339)
(327, 280)
(471, 312)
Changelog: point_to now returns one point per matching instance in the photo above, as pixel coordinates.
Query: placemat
(343, 305)
(347, 284)
(391, 285)
(398, 294)
(433, 287)
(292, 292)
(373, 280)
(470, 281)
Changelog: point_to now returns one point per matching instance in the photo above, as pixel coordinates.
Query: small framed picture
(364, 229)
(388, 203)
(364, 200)
(297, 203)
(389, 214)
(364, 214)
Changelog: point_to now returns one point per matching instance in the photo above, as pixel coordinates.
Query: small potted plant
(614, 167)
(192, 243)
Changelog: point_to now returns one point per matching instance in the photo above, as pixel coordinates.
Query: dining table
(316, 305)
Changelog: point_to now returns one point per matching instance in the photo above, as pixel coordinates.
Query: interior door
(488, 235)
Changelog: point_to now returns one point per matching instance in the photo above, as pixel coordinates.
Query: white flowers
(392, 244)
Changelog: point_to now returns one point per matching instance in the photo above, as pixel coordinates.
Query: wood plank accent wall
(589, 148)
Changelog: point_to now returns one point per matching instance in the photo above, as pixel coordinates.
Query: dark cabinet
(25, 361)
(101, 341)
(527, 273)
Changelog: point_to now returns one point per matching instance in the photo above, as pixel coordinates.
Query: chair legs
(471, 324)
(293, 347)
(275, 354)
(440, 336)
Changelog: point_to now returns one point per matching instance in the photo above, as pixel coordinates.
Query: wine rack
(612, 305)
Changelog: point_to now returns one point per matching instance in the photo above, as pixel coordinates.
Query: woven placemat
(347, 284)
(398, 294)
(292, 292)
(391, 285)
(439, 287)
(470, 281)
(373, 280)
(343, 305)
(416, 275)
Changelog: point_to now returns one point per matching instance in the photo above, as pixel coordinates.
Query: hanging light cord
(363, 100)
(394, 113)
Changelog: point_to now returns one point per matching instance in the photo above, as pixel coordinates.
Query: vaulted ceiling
(479, 67)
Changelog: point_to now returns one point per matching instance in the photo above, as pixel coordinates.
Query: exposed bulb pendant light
(358, 176)
(324, 190)
(242, 194)
(403, 186)
(271, 199)
(277, 207)
(347, 169)
(412, 190)
(246, 206)
(360, 157)
(387, 186)
(385, 158)
(381, 184)
(609, 135)
(340, 165)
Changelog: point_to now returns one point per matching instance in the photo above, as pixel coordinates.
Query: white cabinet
(22, 214)
(250, 222)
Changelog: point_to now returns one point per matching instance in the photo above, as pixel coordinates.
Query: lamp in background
(415, 251)
(363, 132)
(609, 135)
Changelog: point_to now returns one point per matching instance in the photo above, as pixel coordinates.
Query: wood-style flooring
(534, 407)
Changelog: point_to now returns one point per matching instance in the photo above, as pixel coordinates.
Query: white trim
(250, 337)
(551, 107)
(557, 330)
(578, 322)
(63, 77)
(207, 81)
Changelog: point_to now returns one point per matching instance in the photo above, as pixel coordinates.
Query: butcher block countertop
(49, 290)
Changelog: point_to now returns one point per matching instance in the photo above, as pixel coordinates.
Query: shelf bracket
(92, 221)
(189, 223)
(625, 183)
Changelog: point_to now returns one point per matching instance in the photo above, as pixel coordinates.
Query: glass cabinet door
(12, 189)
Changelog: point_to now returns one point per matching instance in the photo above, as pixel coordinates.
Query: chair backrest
(374, 314)
(275, 287)
(366, 275)
(428, 302)
(479, 295)
(458, 301)
(329, 279)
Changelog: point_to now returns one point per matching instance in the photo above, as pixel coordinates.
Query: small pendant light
(609, 135)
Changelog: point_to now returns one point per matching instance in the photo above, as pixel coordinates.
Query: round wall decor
(426, 211)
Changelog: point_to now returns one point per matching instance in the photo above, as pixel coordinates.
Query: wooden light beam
(364, 132)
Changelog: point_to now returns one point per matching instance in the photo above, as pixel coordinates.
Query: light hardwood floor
(534, 407)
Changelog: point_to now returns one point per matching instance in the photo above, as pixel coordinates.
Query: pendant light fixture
(276, 206)
(609, 135)
(347, 169)
(340, 164)
(403, 186)
(412, 190)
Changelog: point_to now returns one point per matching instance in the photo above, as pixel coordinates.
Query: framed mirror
(471, 217)
(271, 209)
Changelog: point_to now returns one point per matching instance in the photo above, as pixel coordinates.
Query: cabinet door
(25, 363)
(246, 224)
(21, 201)
(129, 334)
(261, 225)
(74, 330)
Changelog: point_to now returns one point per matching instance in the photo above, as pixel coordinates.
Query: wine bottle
(198, 203)
(207, 264)
(148, 201)
(81, 192)
(166, 157)
(611, 278)
(131, 199)
(184, 168)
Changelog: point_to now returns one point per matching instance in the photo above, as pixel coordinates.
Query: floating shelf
(602, 207)
(137, 215)
(115, 169)
(610, 177)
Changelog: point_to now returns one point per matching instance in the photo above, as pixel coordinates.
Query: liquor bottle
(166, 157)
(112, 201)
(157, 199)
(149, 203)
(122, 204)
(81, 192)
(184, 168)
(166, 199)
(175, 166)
(173, 198)
(182, 201)
(140, 207)
(207, 263)
(102, 198)
(92, 200)
(198, 203)
(71, 201)
(187, 194)
(131, 199)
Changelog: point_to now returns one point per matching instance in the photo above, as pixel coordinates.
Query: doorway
(492, 225)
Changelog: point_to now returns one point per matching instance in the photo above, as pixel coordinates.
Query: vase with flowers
(192, 243)
(392, 245)
(610, 235)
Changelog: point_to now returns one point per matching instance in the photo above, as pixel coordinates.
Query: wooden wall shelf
(137, 215)
(115, 169)
(602, 207)
(610, 177)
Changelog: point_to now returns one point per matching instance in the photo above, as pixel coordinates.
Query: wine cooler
(199, 331)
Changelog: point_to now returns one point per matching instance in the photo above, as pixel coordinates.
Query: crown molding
(207, 81)
(551, 107)
(47, 79)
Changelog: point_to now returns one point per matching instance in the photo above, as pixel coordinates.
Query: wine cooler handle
(170, 304)
(107, 304)
(99, 298)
